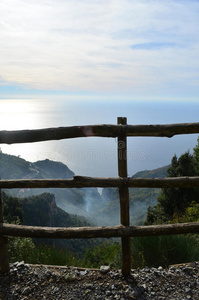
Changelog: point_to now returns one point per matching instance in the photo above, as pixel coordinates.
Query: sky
(95, 49)
(75, 62)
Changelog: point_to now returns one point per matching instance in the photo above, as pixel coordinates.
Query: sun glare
(21, 115)
(16, 114)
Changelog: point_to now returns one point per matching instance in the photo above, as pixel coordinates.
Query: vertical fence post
(124, 197)
(4, 261)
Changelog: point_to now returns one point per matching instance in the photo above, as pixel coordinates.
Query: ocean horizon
(95, 156)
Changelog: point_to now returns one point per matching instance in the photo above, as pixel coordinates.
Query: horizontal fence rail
(39, 135)
(99, 232)
(81, 181)
(123, 183)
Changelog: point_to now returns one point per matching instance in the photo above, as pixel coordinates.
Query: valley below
(99, 209)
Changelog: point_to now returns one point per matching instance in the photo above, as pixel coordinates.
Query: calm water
(97, 156)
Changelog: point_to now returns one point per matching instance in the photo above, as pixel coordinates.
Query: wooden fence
(122, 182)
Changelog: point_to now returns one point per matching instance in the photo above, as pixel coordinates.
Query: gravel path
(41, 282)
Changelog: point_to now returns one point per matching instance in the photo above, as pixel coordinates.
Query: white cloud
(99, 45)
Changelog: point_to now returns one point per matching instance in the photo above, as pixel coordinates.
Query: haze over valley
(99, 209)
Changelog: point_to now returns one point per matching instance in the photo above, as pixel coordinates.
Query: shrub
(164, 250)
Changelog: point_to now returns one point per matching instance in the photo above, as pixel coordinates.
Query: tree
(196, 157)
(174, 201)
(12, 209)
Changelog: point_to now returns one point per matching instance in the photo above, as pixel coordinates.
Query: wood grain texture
(83, 181)
(104, 130)
(97, 232)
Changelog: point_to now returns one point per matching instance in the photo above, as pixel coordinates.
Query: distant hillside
(80, 201)
(52, 169)
(14, 167)
(140, 199)
(41, 210)
(159, 172)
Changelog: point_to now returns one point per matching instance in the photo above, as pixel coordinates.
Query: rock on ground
(46, 282)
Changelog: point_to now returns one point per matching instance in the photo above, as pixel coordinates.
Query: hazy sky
(130, 49)
(133, 58)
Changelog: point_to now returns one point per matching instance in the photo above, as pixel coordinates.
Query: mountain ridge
(71, 200)
(160, 172)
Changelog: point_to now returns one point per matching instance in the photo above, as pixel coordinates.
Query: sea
(95, 156)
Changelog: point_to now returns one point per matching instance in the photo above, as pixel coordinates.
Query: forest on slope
(41, 210)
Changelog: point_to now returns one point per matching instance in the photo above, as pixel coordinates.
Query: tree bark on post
(124, 197)
(4, 261)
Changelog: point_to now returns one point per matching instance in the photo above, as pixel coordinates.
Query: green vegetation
(107, 253)
(41, 210)
(148, 251)
(191, 214)
(166, 206)
(164, 250)
(173, 203)
(12, 209)
(24, 249)
(174, 206)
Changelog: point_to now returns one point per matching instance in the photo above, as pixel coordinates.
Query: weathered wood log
(83, 181)
(122, 172)
(104, 130)
(1, 209)
(77, 181)
(97, 232)
(38, 135)
(165, 130)
(4, 261)
(124, 197)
